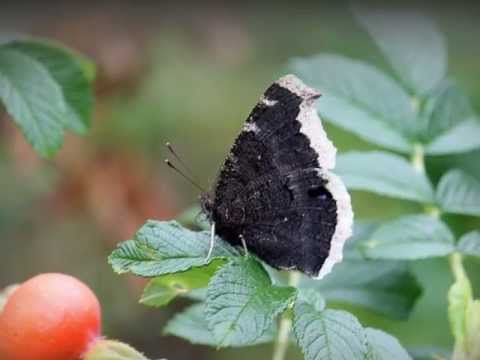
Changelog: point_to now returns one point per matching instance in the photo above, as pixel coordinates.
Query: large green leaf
(242, 303)
(164, 247)
(163, 289)
(68, 71)
(447, 107)
(385, 287)
(33, 99)
(361, 99)
(383, 346)
(192, 326)
(461, 138)
(409, 238)
(469, 243)
(45, 90)
(459, 193)
(385, 174)
(328, 334)
(412, 45)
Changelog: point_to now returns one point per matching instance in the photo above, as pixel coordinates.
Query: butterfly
(275, 194)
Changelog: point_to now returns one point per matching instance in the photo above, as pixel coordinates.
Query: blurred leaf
(72, 74)
(164, 247)
(192, 326)
(383, 346)
(385, 174)
(328, 334)
(429, 353)
(464, 314)
(45, 90)
(412, 44)
(409, 238)
(443, 110)
(459, 193)
(469, 244)
(163, 289)
(462, 138)
(242, 303)
(33, 99)
(385, 287)
(360, 99)
(194, 217)
(362, 231)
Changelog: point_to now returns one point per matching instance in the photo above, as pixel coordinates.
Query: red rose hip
(49, 317)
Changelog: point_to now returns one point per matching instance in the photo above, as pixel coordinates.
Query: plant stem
(455, 259)
(418, 158)
(285, 326)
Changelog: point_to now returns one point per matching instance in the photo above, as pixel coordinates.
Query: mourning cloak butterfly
(275, 193)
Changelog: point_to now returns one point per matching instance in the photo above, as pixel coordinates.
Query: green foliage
(382, 346)
(160, 248)
(46, 89)
(328, 334)
(459, 193)
(385, 287)
(163, 289)
(469, 243)
(192, 326)
(410, 237)
(242, 303)
(391, 176)
(464, 314)
(411, 44)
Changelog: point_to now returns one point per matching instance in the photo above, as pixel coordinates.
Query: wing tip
(298, 87)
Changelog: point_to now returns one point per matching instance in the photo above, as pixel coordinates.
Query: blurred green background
(188, 73)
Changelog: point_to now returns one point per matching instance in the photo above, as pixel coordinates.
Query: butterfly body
(275, 191)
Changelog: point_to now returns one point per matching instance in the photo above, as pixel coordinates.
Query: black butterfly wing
(275, 189)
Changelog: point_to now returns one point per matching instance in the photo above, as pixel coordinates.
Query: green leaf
(33, 99)
(242, 303)
(459, 193)
(311, 296)
(163, 289)
(70, 73)
(192, 326)
(385, 174)
(164, 247)
(360, 99)
(412, 44)
(409, 238)
(443, 110)
(328, 334)
(469, 243)
(462, 138)
(383, 346)
(45, 90)
(385, 287)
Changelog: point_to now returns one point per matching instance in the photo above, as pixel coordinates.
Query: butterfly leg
(212, 242)
(244, 244)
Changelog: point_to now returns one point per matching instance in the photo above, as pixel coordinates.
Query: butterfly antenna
(179, 159)
(185, 176)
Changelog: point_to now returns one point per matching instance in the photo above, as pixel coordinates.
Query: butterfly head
(206, 202)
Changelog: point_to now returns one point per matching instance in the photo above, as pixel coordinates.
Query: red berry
(49, 317)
